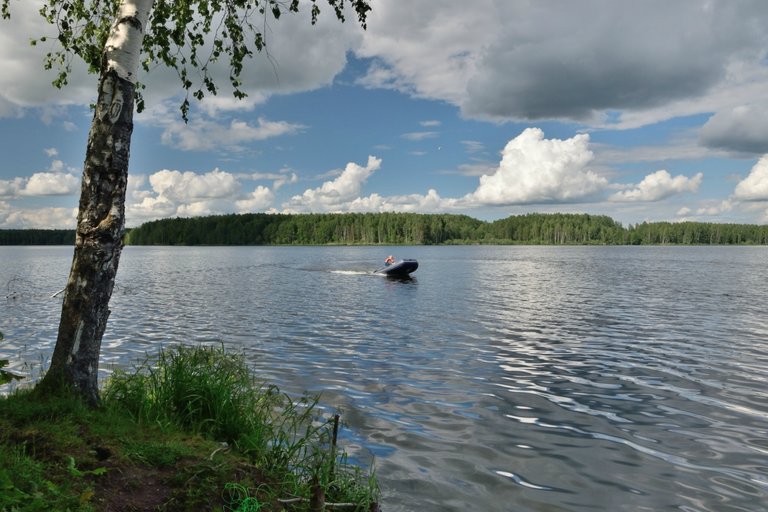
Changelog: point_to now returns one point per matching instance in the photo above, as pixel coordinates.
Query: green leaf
(72, 467)
(186, 34)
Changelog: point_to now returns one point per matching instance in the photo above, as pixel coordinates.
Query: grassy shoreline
(190, 430)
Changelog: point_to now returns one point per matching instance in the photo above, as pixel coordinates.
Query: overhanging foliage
(188, 36)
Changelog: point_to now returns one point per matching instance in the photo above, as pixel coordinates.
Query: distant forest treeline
(37, 236)
(410, 228)
(416, 229)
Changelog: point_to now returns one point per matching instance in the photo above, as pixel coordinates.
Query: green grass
(192, 429)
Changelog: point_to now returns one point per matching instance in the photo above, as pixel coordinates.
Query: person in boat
(390, 260)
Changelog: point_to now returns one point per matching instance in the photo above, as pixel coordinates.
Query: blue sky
(643, 111)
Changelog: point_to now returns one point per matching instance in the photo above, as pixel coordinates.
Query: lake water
(498, 379)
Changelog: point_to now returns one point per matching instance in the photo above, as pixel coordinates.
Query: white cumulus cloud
(659, 185)
(10, 188)
(334, 195)
(755, 186)
(259, 200)
(716, 208)
(58, 180)
(431, 202)
(171, 193)
(538, 170)
(532, 170)
(40, 218)
(188, 186)
(149, 208)
(344, 194)
(50, 184)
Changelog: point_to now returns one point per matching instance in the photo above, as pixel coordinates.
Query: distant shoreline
(373, 229)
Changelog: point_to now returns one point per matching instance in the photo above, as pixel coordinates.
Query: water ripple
(499, 378)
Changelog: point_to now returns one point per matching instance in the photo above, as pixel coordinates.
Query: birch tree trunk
(101, 216)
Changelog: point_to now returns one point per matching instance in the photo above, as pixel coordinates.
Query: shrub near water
(203, 390)
(155, 445)
(207, 391)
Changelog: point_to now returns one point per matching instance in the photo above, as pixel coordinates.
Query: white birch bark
(101, 215)
(123, 47)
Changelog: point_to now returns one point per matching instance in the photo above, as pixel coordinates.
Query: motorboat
(399, 268)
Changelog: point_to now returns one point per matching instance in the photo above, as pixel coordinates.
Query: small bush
(203, 389)
(206, 391)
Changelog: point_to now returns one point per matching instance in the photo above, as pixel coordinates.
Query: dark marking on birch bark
(98, 242)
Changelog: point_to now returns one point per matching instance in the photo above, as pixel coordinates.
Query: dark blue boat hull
(399, 268)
